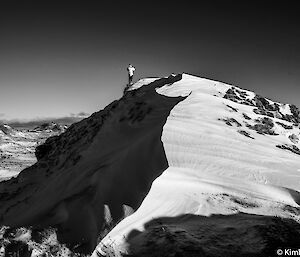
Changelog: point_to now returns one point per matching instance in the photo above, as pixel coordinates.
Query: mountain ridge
(173, 146)
(229, 152)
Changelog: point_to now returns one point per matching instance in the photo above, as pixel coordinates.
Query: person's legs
(129, 80)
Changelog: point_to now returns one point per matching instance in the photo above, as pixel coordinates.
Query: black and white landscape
(176, 164)
(182, 161)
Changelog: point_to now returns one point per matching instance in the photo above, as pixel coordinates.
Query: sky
(62, 58)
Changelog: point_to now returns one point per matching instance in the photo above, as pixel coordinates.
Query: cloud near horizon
(71, 116)
(80, 114)
(28, 124)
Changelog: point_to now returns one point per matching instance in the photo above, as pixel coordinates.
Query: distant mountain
(179, 166)
(17, 146)
(31, 124)
(50, 126)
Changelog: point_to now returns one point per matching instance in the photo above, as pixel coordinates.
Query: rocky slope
(179, 166)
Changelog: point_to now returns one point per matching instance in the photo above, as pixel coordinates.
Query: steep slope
(229, 152)
(88, 176)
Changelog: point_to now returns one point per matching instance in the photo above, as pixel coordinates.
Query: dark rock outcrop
(284, 125)
(263, 126)
(263, 112)
(238, 235)
(245, 133)
(294, 138)
(231, 108)
(263, 105)
(291, 148)
(246, 116)
(238, 96)
(231, 95)
(231, 121)
(295, 112)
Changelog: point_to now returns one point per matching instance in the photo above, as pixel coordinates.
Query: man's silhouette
(130, 70)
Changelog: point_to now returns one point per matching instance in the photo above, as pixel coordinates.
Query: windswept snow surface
(213, 167)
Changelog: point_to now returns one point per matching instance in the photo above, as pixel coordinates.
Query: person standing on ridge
(130, 70)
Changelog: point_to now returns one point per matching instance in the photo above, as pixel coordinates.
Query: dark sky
(63, 57)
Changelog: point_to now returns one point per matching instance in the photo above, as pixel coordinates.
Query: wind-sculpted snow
(223, 160)
(86, 176)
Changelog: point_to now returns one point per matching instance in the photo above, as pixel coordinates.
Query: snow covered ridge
(179, 166)
(229, 152)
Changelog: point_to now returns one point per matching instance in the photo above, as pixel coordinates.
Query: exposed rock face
(246, 117)
(290, 114)
(294, 138)
(263, 126)
(263, 105)
(263, 112)
(285, 126)
(231, 95)
(296, 113)
(231, 121)
(232, 108)
(238, 96)
(245, 133)
(292, 148)
(25, 242)
(68, 187)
